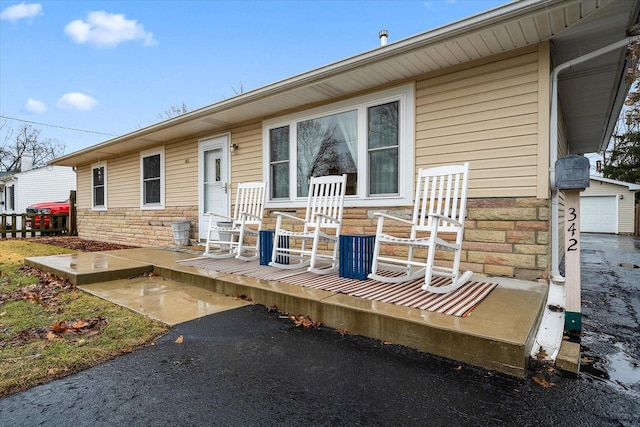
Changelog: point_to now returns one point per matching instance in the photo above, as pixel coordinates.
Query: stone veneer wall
(507, 237)
(135, 227)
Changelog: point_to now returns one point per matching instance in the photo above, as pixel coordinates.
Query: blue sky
(86, 71)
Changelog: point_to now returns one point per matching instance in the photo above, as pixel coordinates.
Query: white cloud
(35, 106)
(104, 29)
(77, 101)
(19, 11)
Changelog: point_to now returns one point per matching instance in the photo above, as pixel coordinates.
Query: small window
(11, 198)
(99, 186)
(279, 158)
(383, 144)
(152, 179)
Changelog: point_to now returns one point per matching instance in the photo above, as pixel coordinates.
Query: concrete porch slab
(90, 267)
(497, 335)
(164, 300)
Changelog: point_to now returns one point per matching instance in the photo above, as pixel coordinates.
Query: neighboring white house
(607, 206)
(34, 185)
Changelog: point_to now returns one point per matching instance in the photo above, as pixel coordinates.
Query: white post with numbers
(573, 316)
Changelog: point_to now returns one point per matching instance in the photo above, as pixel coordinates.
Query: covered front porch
(496, 334)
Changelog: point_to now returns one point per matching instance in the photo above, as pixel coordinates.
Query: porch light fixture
(234, 147)
(621, 196)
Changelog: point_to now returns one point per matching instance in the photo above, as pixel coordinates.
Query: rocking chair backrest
(442, 191)
(250, 199)
(326, 196)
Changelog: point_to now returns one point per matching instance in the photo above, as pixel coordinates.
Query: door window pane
(212, 179)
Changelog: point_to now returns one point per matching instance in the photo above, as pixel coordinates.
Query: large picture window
(152, 179)
(99, 186)
(364, 138)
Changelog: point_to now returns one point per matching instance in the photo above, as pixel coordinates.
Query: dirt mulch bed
(76, 243)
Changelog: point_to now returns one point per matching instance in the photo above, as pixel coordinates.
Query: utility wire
(56, 126)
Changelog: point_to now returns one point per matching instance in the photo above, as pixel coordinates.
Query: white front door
(214, 185)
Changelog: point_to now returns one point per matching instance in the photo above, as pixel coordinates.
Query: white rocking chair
(440, 207)
(247, 219)
(322, 222)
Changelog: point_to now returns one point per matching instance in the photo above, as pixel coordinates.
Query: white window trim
(100, 164)
(405, 94)
(149, 153)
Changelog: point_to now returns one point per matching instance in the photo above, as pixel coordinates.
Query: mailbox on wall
(572, 172)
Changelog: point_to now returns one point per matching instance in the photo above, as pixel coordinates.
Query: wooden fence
(23, 225)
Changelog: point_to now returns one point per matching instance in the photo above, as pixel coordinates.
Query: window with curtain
(362, 138)
(327, 146)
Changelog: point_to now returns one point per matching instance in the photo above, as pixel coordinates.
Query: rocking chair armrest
(288, 216)
(328, 218)
(395, 218)
(216, 214)
(243, 215)
(446, 219)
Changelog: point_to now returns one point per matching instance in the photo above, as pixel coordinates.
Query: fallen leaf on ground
(542, 382)
(541, 355)
(303, 321)
(179, 339)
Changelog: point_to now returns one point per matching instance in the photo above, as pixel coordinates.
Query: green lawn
(49, 329)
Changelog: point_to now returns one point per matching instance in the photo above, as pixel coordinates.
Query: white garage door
(599, 214)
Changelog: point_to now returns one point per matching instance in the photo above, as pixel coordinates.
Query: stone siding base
(507, 237)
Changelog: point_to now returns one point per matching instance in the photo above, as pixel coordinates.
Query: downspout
(553, 146)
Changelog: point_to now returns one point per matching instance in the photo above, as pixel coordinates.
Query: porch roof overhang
(591, 94)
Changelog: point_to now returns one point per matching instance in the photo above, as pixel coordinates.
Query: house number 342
(573, 241)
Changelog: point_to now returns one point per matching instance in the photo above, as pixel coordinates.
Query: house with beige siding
(510, 90)
(609, 206)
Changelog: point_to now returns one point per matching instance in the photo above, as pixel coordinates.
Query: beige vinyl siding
(626, 209)
(181, 173)
(544, 117)
(83, 189)
(486, 114)
(123, 181)
(246, 162)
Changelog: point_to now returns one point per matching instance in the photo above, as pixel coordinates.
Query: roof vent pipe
(383, 34)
